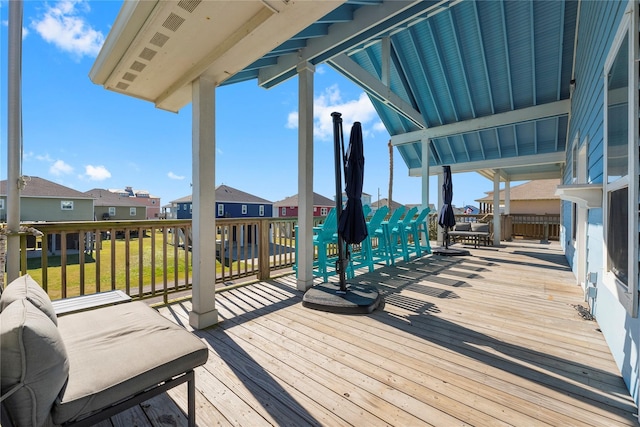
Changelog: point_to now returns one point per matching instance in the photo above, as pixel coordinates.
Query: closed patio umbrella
(353, 226)
(446, 217)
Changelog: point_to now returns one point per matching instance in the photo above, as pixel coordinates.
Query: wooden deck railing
(149, 258)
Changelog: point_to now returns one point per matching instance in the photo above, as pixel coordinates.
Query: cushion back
(24, 287)
(480, 227)
(34, 366)
(463, 226)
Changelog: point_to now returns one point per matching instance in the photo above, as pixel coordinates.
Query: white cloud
(97, 173)
(64, 26)
(354, 110)
(174, 176)
(59, 167)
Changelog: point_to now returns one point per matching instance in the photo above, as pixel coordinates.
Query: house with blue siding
(600, 180)
(230, 203)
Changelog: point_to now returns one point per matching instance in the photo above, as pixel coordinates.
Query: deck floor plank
(495, 338)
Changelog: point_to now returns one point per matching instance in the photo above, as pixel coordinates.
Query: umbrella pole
(337, 139)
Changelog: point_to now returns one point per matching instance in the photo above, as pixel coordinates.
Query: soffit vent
(148, 54)
(173, 22)
(129, 77)
(159, 39)
(138, 66)
(122, 86)
(189, 5)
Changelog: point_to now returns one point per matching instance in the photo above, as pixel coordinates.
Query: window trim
(133, 211)
(1, 204)
(68, 203)
(112, 211)
(244, 209)
(627, 294)
(220, 209)
(261, 210)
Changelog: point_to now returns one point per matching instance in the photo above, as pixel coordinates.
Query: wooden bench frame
(474, 236)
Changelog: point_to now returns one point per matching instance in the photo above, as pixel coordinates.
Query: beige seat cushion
(480, 227)
(117, 351)
(33, 366)
(462, 226)
(25, 287)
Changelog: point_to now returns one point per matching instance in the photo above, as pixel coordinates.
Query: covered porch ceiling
(487, 83)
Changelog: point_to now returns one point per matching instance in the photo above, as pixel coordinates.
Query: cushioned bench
(474, 232)
(99, 362)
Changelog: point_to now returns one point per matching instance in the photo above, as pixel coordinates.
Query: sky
(80, 135)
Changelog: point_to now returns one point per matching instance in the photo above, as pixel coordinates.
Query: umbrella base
(449, 251)
(359, 299)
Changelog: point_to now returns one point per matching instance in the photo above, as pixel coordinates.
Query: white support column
(496, 208)
(305, 176)
(507, 197)
(440, 203)
(425, 178)
(203, 228)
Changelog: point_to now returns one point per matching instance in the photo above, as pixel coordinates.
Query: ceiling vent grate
(148, 54)
(173, 22)
(129, 77)
(122, 86)
(159, 39)
(137, 66)
(189, 5)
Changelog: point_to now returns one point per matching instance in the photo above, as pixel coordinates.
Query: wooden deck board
(490, 339)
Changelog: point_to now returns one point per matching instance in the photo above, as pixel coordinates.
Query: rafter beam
(368, 23)
(507, 162)
(542, 111)
(374, 87)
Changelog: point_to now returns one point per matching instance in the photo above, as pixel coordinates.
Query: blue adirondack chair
(418, 226)
(369, 255)
(398, 235)
(323, 235)
(384, 233)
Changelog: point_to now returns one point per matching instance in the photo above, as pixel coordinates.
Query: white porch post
(496, 208)
(425, 178)
(203, 228)
(440, 203)
(507, 197)
(305, 176)
(14, 140)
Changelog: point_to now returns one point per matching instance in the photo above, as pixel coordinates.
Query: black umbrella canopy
(446, 217)
(353, 226)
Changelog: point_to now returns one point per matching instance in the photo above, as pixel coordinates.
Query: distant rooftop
(318, 200)
(542, 189)
(40, 187)
(227, 194)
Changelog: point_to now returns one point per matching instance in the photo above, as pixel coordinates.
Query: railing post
(264, 271)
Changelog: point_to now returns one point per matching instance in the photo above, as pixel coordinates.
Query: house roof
(227, 194)
(486, 84)
(384, 202)
(40, 187)
(104, 197)
(542, 189)
(318, 200)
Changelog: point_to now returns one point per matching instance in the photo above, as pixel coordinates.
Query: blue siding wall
(599, 22)
(231, 210)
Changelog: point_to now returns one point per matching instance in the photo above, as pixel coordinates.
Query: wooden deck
(501, 337)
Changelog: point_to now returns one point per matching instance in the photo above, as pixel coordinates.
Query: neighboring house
(111, 206)
(169, 211)
(43, 200)
(230, 203)
(288, 208)
(385, 202)
(144, 198)
(533, 197)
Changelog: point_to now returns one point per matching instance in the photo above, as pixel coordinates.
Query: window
(132, 211)
(112, 211)
(284, 211)
(220, 209)
(261, 210)
(190, 208)
(620, 170)
(1, 204)
(324, 211)
(244, 209)
(66, 205)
